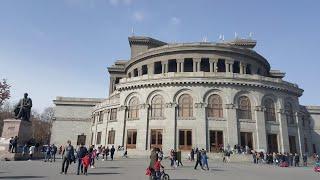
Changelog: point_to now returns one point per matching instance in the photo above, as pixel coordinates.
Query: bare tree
(6, 112)
(47, 114)
(4, 91)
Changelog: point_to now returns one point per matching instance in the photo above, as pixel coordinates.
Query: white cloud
(175, 20)
(138, 16)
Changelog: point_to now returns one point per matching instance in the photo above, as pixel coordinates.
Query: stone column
(261, 129)
(201, 131)
(139, 71)
(150, 69)
(181, 64)
(284, 137)
(211, 65)
(121, 128)
(300, 134)
(242, 68)
(111, 84)
(169, 133)
(142, 128)
(194, 65)
(232, 125)
(163, 67)
(178, 66)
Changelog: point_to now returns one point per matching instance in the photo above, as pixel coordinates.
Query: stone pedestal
(16, 127)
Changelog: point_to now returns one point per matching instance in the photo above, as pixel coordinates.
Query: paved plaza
(134, 169)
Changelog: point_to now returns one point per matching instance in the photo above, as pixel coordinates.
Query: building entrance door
(246, 139)
(272, 143)
(216, 141)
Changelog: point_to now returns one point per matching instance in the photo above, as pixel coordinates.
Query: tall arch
(133, 108)
(157, 106)
(214, 108)
(244, 108)
(270, 111)
(185, 106)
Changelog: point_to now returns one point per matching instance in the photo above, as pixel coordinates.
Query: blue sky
(63, 47)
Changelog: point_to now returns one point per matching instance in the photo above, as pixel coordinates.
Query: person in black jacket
(198, 161)
(112, 150)
(82, 151)
(296, 160)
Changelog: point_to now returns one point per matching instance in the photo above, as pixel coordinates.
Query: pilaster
(284, 137)
(261, 129)
(201, 131)
(232, 124)
(169, 133)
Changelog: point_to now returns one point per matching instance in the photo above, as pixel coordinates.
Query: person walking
(296, 160)
(24, 149)
(198, 160)
(54, 150)
(86, 163)
(68, 157)
(10, 144)
(153, 159)
(107, 152)
(192, 155)
(112, 150)
(47, 151)
(204, 159)
(81, 152)
(14, 144)
(305, 159)
(31, 151)
(178, 155)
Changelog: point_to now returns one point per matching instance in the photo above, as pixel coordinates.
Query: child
(86, 163)
(157, 165)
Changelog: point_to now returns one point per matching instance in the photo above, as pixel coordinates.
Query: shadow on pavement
(21, 177)
(107, 167)
(102, 173)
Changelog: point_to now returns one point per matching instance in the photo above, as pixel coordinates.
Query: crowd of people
(84, 157)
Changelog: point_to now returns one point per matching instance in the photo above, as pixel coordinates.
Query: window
(185, 139)
(131, 139)
(113, 114)
(246, 139)
(81, 139)
(100, 117)
(314, 148)
(133, 109)
(215, 106)
(289, 113)
(269, 113)
(236, 67)
(272, 143)
(185, 106)
(216, 141)
(248, 69)
(221, 65)
(188, 65)
(157, 106)
(157, 67)
(244, 110)
(144, 69)
(111, 136)
(135, 72)
(156, 138)
(205, 65)
(172, 65)
(98, 138)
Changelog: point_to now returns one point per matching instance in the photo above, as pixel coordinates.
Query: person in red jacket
(86, 163)
(157, 166)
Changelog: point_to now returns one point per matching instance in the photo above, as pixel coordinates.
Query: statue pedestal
(12, 128)
(17, 127)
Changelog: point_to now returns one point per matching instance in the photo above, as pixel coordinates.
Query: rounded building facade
(205, 95)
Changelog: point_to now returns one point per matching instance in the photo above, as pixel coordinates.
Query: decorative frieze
(171, 105)
(229, 106)
(200, 105)
(122, 108)
(144, 106)
(259, 108)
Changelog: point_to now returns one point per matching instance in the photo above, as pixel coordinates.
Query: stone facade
(72, 118)
(206, 95)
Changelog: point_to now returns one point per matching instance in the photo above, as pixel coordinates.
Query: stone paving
(134, 169)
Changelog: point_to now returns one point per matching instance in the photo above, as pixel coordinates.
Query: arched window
(185, 106)
(215, 106)
(289, 113)
(244, 111)
(133, 109)
(269, 113)
(157, 106)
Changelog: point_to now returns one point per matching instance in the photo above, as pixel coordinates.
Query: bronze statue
(23, 108)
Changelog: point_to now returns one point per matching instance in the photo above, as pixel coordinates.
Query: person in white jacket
(31, 152)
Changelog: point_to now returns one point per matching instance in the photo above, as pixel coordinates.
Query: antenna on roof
(250, 35)
(204, 39)
(132, 31)
(221, 37)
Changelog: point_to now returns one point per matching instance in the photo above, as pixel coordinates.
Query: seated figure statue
(23, 108)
